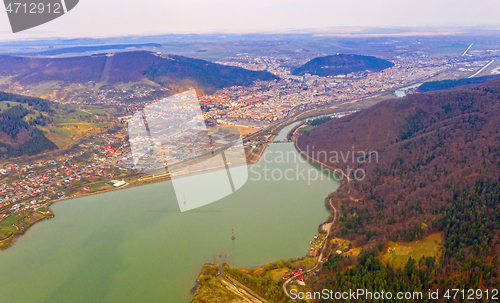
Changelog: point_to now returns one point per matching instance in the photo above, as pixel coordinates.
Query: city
(96, 137)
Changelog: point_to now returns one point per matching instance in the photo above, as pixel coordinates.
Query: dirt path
(246, 294)
(85, 111)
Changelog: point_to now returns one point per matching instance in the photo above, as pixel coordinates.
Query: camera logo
(172, 137)
(26, 14)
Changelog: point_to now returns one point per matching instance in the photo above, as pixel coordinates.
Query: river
(284, 132)
(400, 93)
(134, 245)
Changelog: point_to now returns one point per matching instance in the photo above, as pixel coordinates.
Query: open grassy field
(245, 131)
(10, 220)
(45, 90)
(5, 233)
(346, 247)
(398, 253)
(306, 129)
(307, 262)
(6, 227)
(33, 217)
(72, 123)
(278, 273)
(3, 104)
(66, 134)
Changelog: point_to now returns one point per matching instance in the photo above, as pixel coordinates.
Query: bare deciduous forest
(438, 169)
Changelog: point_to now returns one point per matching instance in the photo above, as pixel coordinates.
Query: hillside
(438, 170)
(173, 72)
(182, 71)
(453, 84)
(19, 118)
(341, 64)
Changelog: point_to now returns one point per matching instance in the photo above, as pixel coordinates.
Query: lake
(134, 245)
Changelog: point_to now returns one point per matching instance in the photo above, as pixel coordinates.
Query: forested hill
(18, 120)
(438, 169)
(454, 84)
(342, 64)
(210, 76)
(174, 72)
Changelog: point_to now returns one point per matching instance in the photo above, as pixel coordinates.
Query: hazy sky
(124, 17)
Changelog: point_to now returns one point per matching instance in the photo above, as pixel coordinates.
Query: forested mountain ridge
(438, 169)
(341, 64)
(454, 84)
(427, 144)
(172, 72)
(18, 132)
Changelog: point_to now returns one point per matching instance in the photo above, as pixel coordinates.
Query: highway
(467, 49)
(482, 69)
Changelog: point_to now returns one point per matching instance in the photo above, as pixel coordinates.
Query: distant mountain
(174, 72)
(91, 48)
(341, 64)
(178, 70)
(18, 120)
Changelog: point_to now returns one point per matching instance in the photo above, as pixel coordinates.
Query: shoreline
(139, 181)
(334, 170)
(254, 158)
(10, 241)
(328, 223)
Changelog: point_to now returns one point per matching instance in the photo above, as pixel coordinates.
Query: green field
(278, 273)
(7, 222)
(97, 186)
(72, 123)
(3, 104)
(398, 253)
(4, 107)
(66, 134)
(6, 227)
(306, 129)
(45, 90)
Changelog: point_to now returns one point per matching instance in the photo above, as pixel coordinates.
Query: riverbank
(278, 274)
(133, 180)
(24, 224)
(263, 284)
(99, 241)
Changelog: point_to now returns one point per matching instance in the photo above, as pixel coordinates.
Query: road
(482, 69)
(467, 50)
(85, 111)
(246, 294)
(285, 285)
